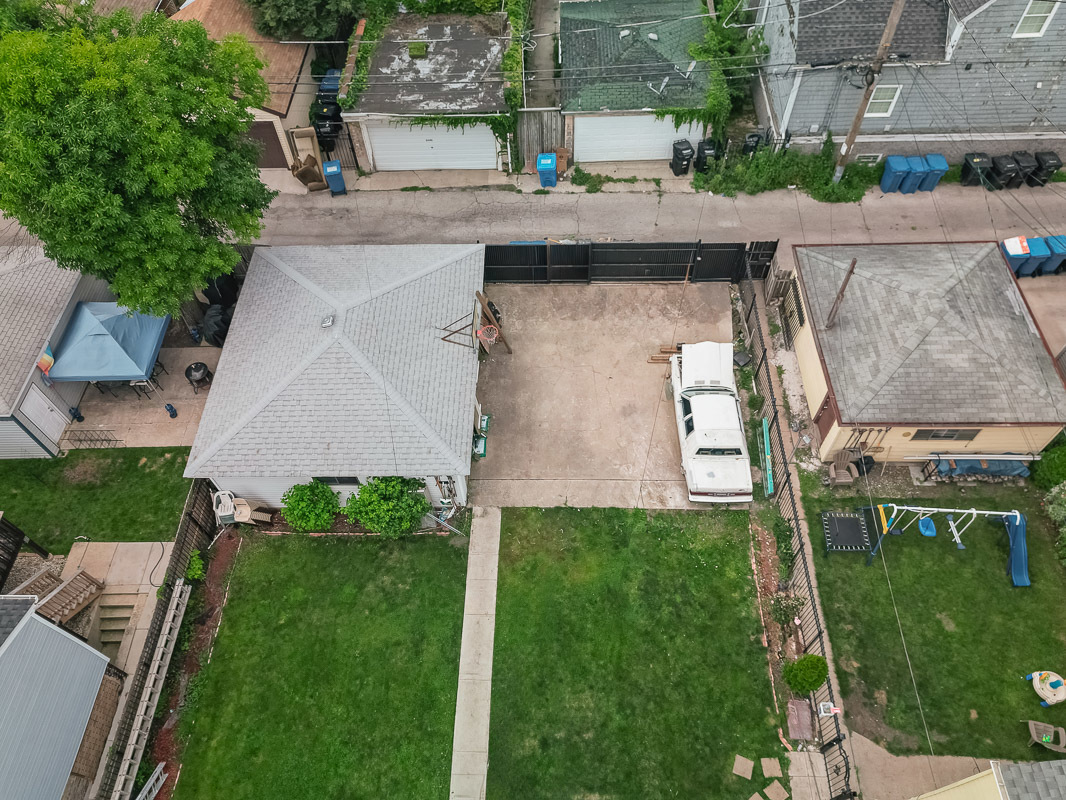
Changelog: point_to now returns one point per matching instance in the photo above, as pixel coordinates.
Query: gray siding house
(963, 76)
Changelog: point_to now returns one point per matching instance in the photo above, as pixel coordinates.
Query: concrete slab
(888, 777)
(743, 766)
(481, 566)
(94, 557)
(771, 767)
(807, 788)
(480, 597)
(579, 399)
(467, 787)
(775, 791)
(476, 655)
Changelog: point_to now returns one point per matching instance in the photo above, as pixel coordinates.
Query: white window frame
(1043, 29)
(891, 106)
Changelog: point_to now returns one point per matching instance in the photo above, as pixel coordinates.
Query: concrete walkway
(470, 745)
(888, 777)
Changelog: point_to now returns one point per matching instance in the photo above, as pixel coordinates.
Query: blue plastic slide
(1018, 562)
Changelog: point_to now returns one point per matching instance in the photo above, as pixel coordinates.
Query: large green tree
(123, 148)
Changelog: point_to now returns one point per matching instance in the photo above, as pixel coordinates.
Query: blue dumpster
(896, 169)
(917, 170)
(334, 179)
(1016, 250)
(1039, 252)
(1057, 246)
(546, 169)
(938, 168)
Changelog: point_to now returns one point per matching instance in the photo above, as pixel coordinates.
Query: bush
(755, 403)
(310, 506)
(1050, 470)
(392, 507)
(195, 571)
(784, 608)
(1055, 503)
(806, 673)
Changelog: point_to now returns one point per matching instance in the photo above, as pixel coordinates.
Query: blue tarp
(972, 466)
(103, 342)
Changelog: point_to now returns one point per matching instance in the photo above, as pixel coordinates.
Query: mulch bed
(166, 746)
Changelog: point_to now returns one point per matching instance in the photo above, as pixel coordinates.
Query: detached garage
(432, 67)
(616, 76)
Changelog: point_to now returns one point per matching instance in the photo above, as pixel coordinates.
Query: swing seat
(926, 527)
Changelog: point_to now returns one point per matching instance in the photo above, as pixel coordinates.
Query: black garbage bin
(1004, 170)
(706, 151)
(1047, 164)
(751, 143)
(1026, 165)
(683, 153)
(975, 167)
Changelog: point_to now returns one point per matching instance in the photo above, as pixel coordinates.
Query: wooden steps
(69, 597)
(42, 583)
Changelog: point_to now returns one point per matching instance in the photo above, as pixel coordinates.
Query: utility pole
(871, 83)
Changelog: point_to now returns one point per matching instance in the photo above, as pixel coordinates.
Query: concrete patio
(579, 416)
(132, 420)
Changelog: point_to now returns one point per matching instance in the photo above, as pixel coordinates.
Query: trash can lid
(917, 164)
(331, 167)
(937, 162)
(898, 163)
(1048, 158)
(546, 161)
(1038, 247)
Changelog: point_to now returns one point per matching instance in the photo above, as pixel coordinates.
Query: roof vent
(327, 321)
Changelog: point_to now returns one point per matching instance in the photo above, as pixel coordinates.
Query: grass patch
(132, 494)
(416, 188)
(541, 191)
(768, 170)
(627, 658)
(334, 674)
(594, 181)
(970, 634)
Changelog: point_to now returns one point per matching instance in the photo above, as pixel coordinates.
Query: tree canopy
(123, 148)
(317, 20)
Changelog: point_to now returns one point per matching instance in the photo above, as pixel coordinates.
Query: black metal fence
(594, 262)
(785, 496)
(195, 531)
(12, 540)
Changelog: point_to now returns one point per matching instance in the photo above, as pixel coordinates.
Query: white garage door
(397, 146)
(628, 138)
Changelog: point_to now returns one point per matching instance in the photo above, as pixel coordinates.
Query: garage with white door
(628, 137)
(398, 146)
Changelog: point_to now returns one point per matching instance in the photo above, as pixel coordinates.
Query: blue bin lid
(1038, 247)
(937, 162)
(332, 167)
(1057, 244)
(897, 163)
(546, 161)
(917, 164)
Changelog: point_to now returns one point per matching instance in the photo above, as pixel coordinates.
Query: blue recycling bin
(546, 169)
(1057, 246)
(896, 169)
(1039, 252)
(334, 178)
(331, 82)
(1016, 251)
(938, 168)
(917, 170)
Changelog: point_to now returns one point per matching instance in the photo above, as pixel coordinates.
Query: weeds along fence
(785, 497)
(195, 531)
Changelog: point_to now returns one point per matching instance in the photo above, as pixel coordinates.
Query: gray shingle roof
(964, 8)
(12, 609)
(1045, 780)
(604, 69)
(33, 294)
(378, 393)
(852, 31)
(48, 685)
(929, 334)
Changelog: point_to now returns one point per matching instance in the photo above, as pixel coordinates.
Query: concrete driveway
(579, 416)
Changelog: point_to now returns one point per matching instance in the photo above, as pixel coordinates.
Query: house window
(883, 100)
(1036, 18)
(337, 481)
(945, 434)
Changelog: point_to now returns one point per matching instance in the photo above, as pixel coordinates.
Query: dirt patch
(946, 621)
(86, 472)
(869, 720)
(29, 564)
(143, 461)
(973, 713)
(881, 698)
(166, 746)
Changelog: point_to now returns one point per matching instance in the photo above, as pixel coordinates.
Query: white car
(714, 454)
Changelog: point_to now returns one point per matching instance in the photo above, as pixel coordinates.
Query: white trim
(1054, 7)
(791, 103)
(891, 105)
(964, 138)
(953, 40)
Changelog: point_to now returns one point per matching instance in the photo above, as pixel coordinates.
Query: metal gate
(791, 313)
(339, 147)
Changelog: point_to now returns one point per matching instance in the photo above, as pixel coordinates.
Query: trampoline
(845, 533)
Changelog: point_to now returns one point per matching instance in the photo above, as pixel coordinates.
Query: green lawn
(334, 674)
(970, 634)
(122, 495)
(628, 661)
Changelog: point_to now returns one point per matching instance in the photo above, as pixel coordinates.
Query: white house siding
(16, 443)
(269, 491)
(936, 99)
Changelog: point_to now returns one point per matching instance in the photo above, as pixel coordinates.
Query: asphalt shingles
(830, 31)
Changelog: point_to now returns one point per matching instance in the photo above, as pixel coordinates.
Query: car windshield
(718, 451)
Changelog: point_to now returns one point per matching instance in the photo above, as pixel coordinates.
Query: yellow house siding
(814, 385)
(898, 443)
(981, 786)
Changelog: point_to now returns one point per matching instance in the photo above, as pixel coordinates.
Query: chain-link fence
(786, 497)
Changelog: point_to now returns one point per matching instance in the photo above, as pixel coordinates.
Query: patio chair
(841, 471)
(1054, 739)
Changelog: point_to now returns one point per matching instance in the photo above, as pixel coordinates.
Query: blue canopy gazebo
(104, 342)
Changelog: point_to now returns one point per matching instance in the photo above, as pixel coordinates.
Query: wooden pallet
(665, 351)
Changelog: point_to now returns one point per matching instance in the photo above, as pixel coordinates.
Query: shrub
(310, 506)
(806, 673)
(392, 507)
(755, 403)
(1055, 502)
(195, 571)
(1050, 470)
(784, 608)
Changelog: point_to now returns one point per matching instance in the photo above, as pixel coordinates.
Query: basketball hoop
(488, 334)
